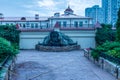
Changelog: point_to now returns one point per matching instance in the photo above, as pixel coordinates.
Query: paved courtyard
(37, 65)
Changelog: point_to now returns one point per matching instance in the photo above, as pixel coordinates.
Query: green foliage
(114, 53)
(15, 45)
(95, 54)
(110, 48)
(105, 37)
(118, 27)
(104, 34)
(9, 45)
(10, 33)
(6, 49)
(110, 45)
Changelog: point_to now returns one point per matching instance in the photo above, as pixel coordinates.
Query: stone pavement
(37, 65)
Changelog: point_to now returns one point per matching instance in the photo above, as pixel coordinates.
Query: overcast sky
(20, 8)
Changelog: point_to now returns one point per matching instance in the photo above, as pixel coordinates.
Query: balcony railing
(60, 26)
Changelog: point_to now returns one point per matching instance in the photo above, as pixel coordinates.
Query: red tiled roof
(19, 18)
(97, 25)
(35, 30)
(77, 28)
(48, 30)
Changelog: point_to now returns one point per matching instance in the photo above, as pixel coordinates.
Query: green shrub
(110, 45)
(95, 54)
(15, 45)
(10, 33)
(105, 34)
(114, 53)
(110, 48)
(6, 49)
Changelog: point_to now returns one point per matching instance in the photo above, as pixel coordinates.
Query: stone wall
(110, 67)
(57, 49)
(6, 71)
(84, 38)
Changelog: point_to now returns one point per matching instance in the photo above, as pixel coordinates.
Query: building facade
(66, 20)
(35, 29)
(110, 8)
(96, 13)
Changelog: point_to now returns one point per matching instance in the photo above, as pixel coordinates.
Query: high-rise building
(110, 8)
(96, 13)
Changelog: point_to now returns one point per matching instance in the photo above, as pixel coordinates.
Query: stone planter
(57, 49)
(110, 67)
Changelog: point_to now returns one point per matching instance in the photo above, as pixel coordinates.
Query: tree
(6, 49)
(10, 33)
(104, 34)
(118, 27)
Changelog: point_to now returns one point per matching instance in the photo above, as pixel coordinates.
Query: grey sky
(44, 7)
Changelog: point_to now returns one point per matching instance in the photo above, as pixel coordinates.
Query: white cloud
(44, 7)
(28, 6)
(79, 5)
(46, 3)
(43, 14)
(33, 12)
(49, 7)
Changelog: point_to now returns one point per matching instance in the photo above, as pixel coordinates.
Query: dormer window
(23, 18)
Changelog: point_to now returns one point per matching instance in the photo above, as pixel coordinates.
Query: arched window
(36, 25)
(80, 24)
(27, 24)
(59, 23)
(64, 24)
(23, 25)
(23, 18)
(32, 25)
(75, 24)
